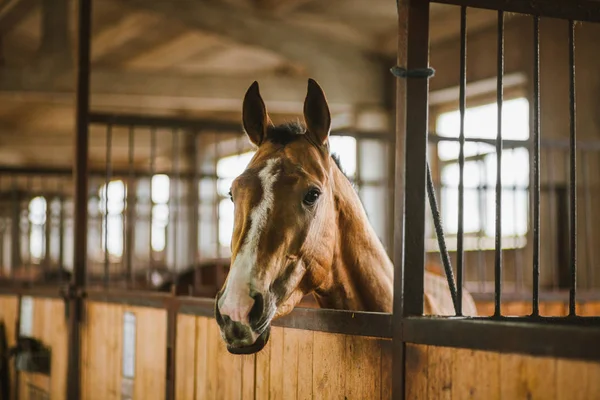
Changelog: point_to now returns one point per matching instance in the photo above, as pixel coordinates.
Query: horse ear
(316, 113)
(254, 115)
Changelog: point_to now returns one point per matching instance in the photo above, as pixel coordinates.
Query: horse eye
(230, 196)
(311, 197)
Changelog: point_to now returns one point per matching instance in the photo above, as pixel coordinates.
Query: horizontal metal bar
(49, 292)
(136, 299)
(579, 10)
(564, 337)
(583, 145)
(337, 321)
(164, 122)
(198, 125)
(312, 319)
(550, 296)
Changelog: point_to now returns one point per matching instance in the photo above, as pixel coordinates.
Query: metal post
(80, 173)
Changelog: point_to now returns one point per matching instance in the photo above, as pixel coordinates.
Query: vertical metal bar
(15, 225)
(106, 184)
(461, 159)
(28, 191)
(130, 207)
(61, 234)
(175, 193)
(80, 196)
(411, 133)
(553, 220)
(573, 170)
(217, 199)
(47, 227)
(416, 141)
(498, 254)
(197, 201)
(536, 166)
(152, 172)
(589, 231)
(482, 194)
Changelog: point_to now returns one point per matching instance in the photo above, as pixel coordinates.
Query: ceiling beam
(339, 67)
(132, 89)
(12, 13)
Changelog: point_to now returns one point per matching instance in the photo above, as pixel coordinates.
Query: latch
(31, 355)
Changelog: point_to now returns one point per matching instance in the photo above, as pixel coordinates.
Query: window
(480, 175)
(112, 205)
(160, 211)
(37, 219)
(228, 168)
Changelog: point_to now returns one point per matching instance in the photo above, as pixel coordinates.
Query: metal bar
(80, 174)
(416, 140)
(591, 145)
(536, 166)
(92, 172)
(197, 202)
(498, 253)
(589, 231)
(217, 199)
(152, 171)
(545, 296)
(511, 335)
(553, 222)
(130, 207)
(460, 264)
(437, 221)
(580, 10)
(216, 126)
(106, 185)
(61, 235)
(573, 170)
(175, 197)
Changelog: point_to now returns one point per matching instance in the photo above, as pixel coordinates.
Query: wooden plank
(212, 359)
(151, 352)
(328, 365)
(185, 357)
(229, 368)
(526, 377)
(202, 365)
(9, 311)
(572, 380)
(386, 369)
(248, 376)
(440, 369)
(262, 372)
(362, 363)
(291, 362)
(305, 367)
(417, 371)
(276, 364)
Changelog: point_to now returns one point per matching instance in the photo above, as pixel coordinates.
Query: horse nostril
(257, 309)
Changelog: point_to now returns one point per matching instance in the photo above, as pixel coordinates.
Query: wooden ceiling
(191, 58)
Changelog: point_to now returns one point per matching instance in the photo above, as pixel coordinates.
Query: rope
(401, 72)
(441, 239)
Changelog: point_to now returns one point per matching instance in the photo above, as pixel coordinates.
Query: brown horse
(300, 228)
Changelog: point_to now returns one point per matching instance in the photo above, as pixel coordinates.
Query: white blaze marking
(236, 300)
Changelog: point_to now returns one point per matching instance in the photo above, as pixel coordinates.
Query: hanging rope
(437, 221)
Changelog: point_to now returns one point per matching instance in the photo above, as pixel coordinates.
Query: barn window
(160, 211)
(228, 168)
(480, 174)
(37, 219)
(112, 205)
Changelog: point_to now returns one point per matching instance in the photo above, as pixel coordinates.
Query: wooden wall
(102, 352)
(9, 312)
(295, 364)
(457, 374)
(50, 326)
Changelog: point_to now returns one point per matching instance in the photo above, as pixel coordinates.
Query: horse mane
(288, 132)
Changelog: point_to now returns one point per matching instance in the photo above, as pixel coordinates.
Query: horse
(300, 228)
